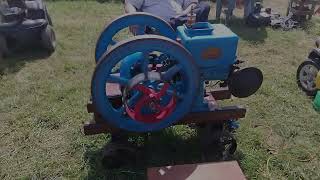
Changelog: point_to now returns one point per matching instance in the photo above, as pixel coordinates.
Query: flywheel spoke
(117, 79)
(168, 75)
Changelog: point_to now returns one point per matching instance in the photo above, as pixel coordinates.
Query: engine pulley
(245, 82)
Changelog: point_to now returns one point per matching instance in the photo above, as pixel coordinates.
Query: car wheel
(306, 77)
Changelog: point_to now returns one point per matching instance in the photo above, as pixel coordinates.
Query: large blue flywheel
(140, 19)
(156, 94)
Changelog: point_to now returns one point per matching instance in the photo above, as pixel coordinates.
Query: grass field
(42, 106)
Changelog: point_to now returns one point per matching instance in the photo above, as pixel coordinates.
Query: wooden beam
(219, 115)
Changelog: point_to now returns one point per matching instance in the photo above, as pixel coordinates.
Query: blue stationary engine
(161, 77)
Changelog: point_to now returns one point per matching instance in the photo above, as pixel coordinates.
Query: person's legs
(252, 3)
(202, 10)
(231, 7)
(248, 7)
(218, 9)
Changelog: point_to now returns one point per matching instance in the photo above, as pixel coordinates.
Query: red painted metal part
(152, 99)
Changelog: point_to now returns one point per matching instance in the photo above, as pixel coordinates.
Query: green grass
(42, 107)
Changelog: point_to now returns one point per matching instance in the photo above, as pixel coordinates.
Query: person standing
(231, 4)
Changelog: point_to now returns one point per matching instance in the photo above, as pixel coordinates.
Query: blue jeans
(230, 7)
(248, 7)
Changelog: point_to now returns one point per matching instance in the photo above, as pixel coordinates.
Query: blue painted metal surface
(233, 124)
(125, 21)
(204, 37)
(128, 64)
(144, 44)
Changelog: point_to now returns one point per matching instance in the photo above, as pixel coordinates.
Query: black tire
(3, 46)
(48, 39)
(302, 83)
(229, 146)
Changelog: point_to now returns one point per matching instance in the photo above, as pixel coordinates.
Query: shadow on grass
(162, 149)
(312, 27)
(98, 171)
(249, 34)
(17, 59)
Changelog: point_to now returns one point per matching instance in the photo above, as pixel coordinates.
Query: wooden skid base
(216, 115)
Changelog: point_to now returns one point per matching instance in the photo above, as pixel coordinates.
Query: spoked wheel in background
(306, 77)
(156, 95)
(142, 20)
